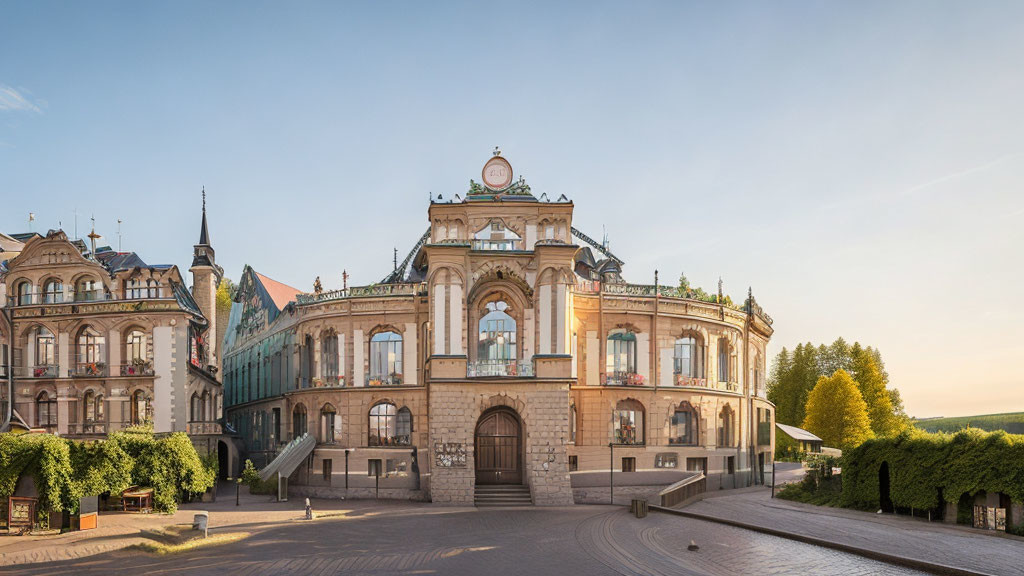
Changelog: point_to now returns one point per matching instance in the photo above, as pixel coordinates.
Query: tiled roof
(798, 433)
(280, 293)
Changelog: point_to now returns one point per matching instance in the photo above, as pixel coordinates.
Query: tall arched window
(196, 409)
(299, 421)
(93, 411)
(91, 352)
(135, 354)
(142, 409)
(497, 335)
(685, 424)
(24, 293)
(383, 429)
(727, 427)
(403, 428)
(307, 360)
(46, 410)
(53, 291)
(628, 420)
(688, 361)
(621, 358)
(328, 419)
(572, 423)
(386, 359)
(88, 290)
(725, 373)
(46, 356)
(329, 357)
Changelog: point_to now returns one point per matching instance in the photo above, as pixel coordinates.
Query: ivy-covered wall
(65, 470)
(923, 464)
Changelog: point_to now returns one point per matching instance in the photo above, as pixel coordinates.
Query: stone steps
(502, 495)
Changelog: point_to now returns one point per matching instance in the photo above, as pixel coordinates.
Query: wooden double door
(498, 448)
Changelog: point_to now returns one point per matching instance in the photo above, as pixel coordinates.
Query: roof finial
(497, 151)
(204, 235)
(204, 199)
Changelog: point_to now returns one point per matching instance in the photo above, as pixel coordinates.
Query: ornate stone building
(505, 349)
(95, 340)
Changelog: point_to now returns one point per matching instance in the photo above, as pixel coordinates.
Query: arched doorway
(884, 499)
(498, 448)
(222, 460)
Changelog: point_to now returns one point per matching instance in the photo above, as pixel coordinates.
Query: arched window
(142, 409)
(204, 407)
(135, 354)
(299, 421)
(53, 291)
(572, 423)
(91, 352)
(24, 293)
(93, 408)
(329, 357)
(386, 359)
(46, 346)
(328, 420)
(685, 425)
(46, 410)
(403, 433)
(88, 290)
(497, 335)
(726, 427)
(196, 410)
(688, 361)
(725, 373)
(384, 426)
(621, 358)
(628, 420)
(152, 288)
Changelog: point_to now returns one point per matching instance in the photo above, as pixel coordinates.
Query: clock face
(497, 173)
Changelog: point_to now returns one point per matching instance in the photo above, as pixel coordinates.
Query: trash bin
(201, 521)
(638, 507)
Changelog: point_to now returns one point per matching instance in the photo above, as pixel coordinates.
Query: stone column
(455, 319)
(439, 319)
(409, 348)
(593, 357)
(358, 364)
(544, 340)
(64, 356)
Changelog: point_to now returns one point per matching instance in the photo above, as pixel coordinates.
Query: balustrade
(506, 368)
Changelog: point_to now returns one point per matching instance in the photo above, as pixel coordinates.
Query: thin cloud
(12, 100)
(955, 175)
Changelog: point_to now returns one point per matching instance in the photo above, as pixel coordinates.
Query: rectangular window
(696, 464)
(374, 467)
(574, 463)
(666, 460)
(629, 464)
(277, 424)
(730, 464)
(328, 465)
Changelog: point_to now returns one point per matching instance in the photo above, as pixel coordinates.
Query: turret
(206, 276)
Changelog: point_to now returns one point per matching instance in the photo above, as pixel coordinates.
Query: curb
(925, 566)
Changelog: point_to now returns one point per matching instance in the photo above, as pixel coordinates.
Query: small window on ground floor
(374, 468)
(666, 460)
(574, 463)
(629, 464)
(730, 464)
(696, 464)
(328, 470)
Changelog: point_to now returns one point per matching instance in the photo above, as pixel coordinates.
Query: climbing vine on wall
(922, 466)
(65, 470)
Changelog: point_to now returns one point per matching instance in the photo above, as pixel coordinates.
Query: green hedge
(922, 464)
(65, 470)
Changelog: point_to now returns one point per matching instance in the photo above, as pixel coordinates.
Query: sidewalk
(931, 546)
(119, 530)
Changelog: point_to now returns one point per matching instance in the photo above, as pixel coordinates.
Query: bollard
(201, 521)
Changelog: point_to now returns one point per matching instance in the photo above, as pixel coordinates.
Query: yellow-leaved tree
(836, 412)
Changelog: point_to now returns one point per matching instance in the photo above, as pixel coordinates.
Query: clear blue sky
(860, 164)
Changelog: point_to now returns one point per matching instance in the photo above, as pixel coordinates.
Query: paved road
(955, 546)
(392, 539)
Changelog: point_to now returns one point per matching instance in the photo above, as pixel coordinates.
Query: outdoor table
(137, 500)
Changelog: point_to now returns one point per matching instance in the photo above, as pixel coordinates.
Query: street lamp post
(611, 473)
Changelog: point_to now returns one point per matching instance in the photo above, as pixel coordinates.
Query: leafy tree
(684, 284)
(837, 413)
(872, 388)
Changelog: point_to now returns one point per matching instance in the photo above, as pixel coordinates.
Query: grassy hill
(1012, 422)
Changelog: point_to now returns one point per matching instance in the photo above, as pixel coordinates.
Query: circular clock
(497, 173)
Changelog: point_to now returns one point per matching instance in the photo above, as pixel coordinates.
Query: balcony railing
(593, 286)
(497, 245)
(689, 381)
(507, 368)
(329, 382)
(91, 296)
(383, 380)
(87, 428)
(203, 427)
(42, 371)
(88, 370)
(36, 298)
(729, 386)
(374, 290)
(137, 369)
(624, 379)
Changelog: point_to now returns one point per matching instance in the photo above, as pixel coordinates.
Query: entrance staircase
(502, 495)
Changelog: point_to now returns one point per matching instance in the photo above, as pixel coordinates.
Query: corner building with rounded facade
(505, 349)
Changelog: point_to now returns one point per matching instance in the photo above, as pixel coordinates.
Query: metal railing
(683, 490)
(650, 290)
(42, 371)
(383, 379)
(88, 370)
(329, 382)
(490, 368)
(497, 245)
(137, 369)
(87, 428)
(90, 296)
(374, 290)
(624, 379)
(729, 386)
(689, 381)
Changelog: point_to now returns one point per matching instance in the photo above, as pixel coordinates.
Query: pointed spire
(204, 235)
